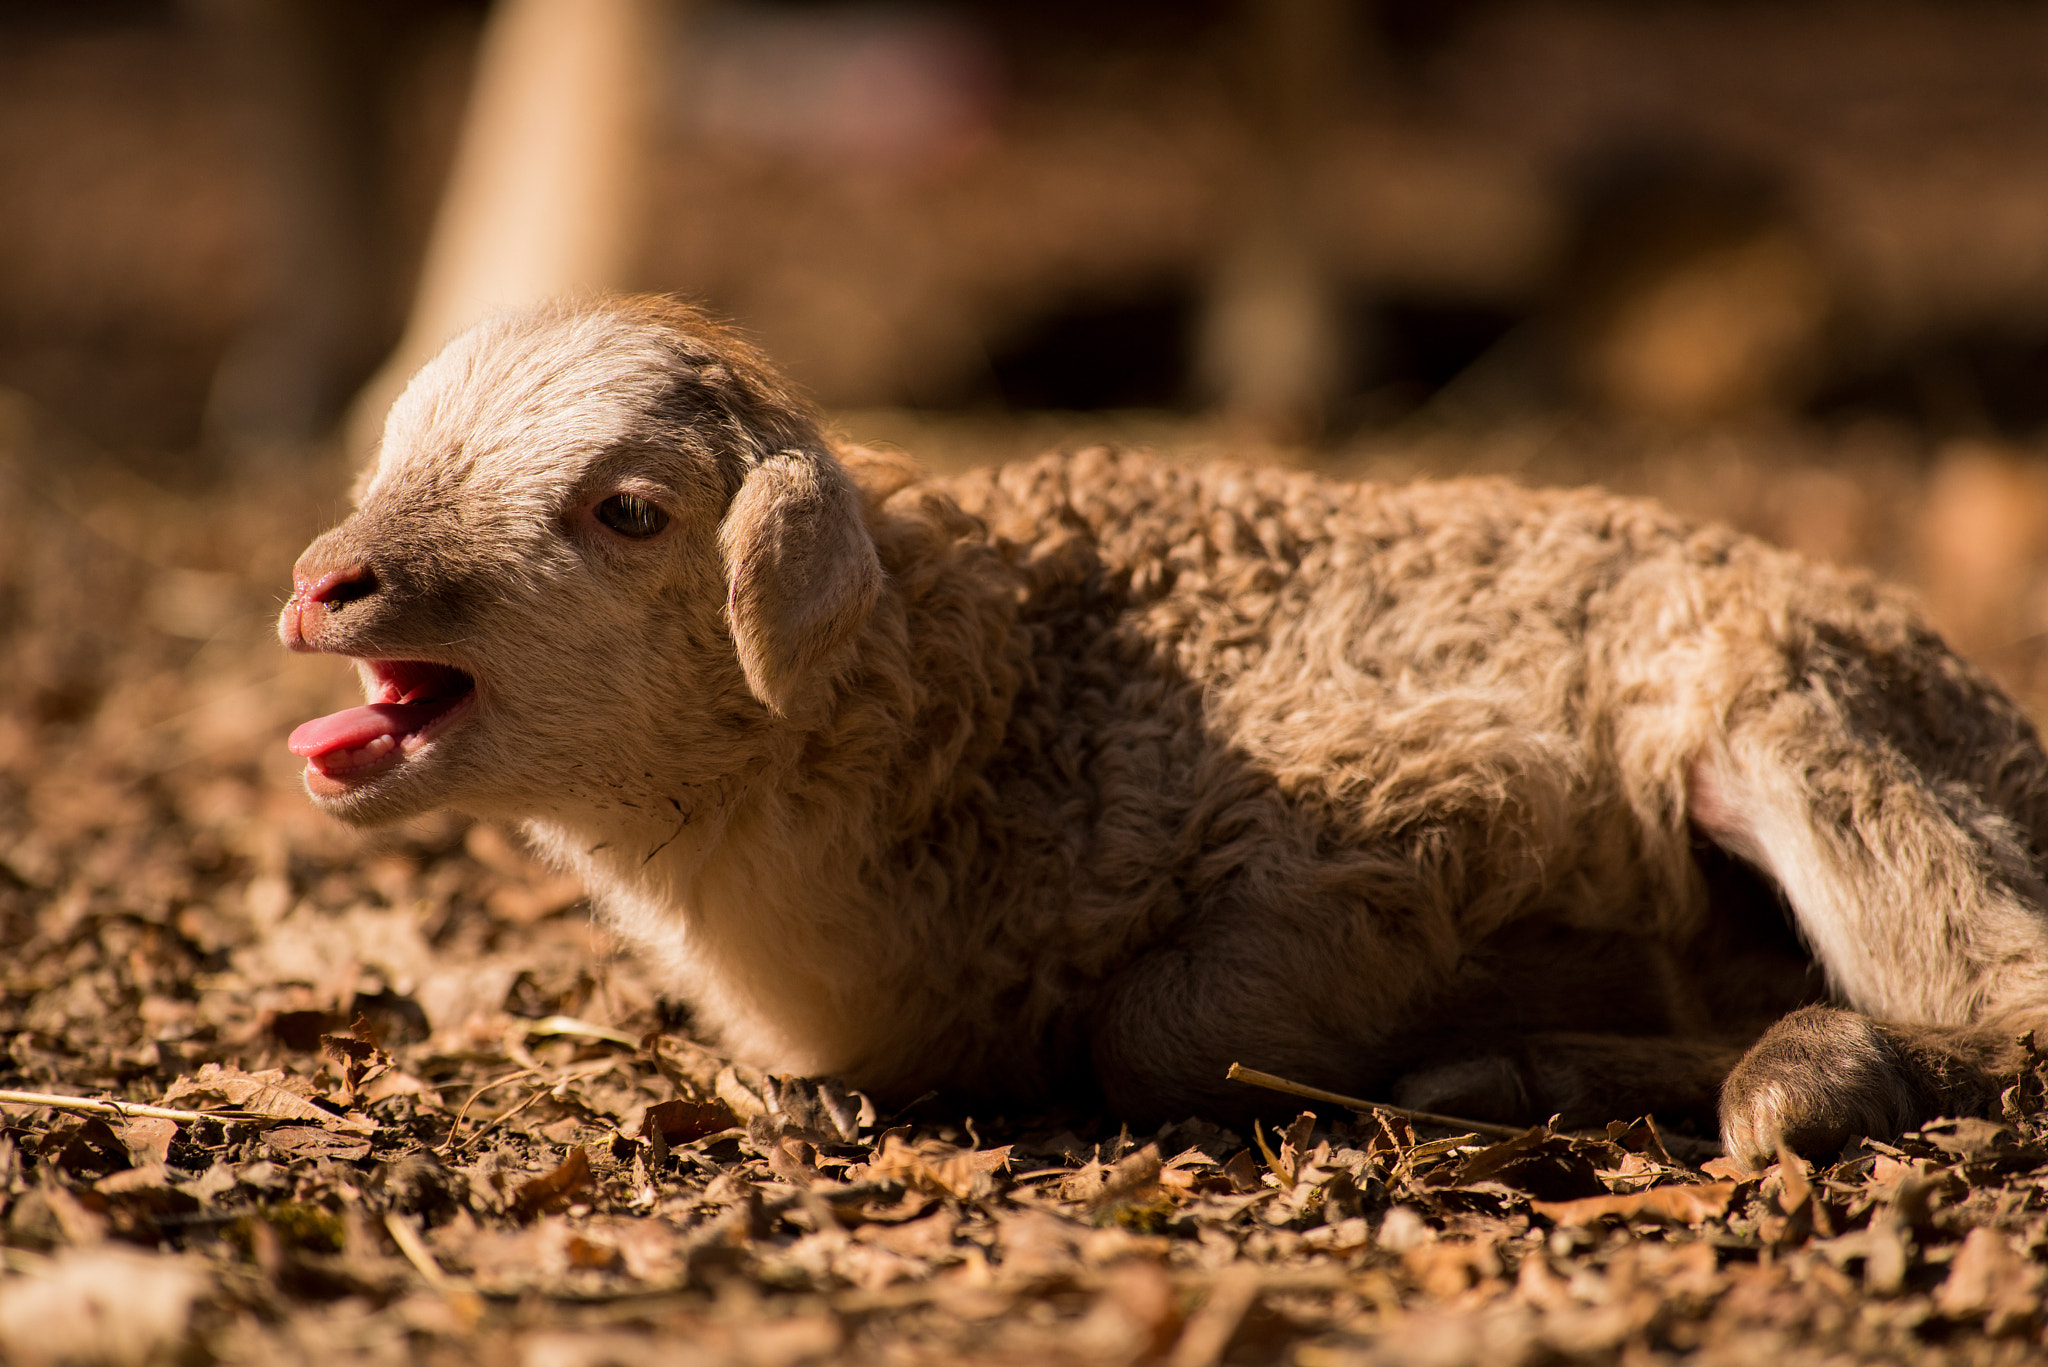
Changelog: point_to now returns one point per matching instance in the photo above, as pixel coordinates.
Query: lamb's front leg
(1310, 999)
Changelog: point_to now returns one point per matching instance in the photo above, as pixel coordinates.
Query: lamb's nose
(337, 588)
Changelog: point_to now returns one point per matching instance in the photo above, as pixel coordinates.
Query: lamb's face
(532, 585)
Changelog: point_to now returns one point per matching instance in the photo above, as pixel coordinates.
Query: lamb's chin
(376, 789)
(375, 799)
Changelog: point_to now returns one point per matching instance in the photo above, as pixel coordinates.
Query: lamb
(1089, 776)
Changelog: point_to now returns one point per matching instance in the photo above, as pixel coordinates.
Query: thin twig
(568, 1076)
(581, 1029)
(1239, 1073)
(448, 1145)
(500, 1118)
(124, 1110)
(416, 1251)
(1693, 1149)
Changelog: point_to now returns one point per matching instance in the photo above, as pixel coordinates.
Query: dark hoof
(1816, 1079)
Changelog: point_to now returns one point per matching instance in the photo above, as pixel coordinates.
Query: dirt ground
(418, 1109)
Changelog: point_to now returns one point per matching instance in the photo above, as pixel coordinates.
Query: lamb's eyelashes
(632, 516)
(623, 515)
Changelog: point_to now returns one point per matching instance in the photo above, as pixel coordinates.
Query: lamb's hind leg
(1584, 1079)
(1906, 839)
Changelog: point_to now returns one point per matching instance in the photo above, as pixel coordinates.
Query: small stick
(581, 1029)
(1673, 1143)
(568, 1076)
(448, 1144)
(121, 1109)
(1239, 1073)
(455, 1150)
(416, 1252)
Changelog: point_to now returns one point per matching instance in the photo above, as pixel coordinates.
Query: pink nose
(336, 587)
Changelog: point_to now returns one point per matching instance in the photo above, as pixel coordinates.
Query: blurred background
(1780, 264)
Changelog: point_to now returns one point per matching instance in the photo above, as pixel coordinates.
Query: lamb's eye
(631, 515)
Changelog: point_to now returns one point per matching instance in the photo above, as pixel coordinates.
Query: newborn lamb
(1089, 776)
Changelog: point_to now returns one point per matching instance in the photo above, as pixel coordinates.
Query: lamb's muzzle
(1093, 775)
(412, 703)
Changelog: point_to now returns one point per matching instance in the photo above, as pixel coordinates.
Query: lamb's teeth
(344, 761)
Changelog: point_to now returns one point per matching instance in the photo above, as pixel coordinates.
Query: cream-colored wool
(1103, 771)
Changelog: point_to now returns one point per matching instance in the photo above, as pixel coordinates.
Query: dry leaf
(1242, 1171)
(1969, 1138)
(86, 1147)
(1131, 1178)
(940, 1168)
(310, 1141)
(362, 1059)
(1540, 1163)
(102, 1305)
(680, 1122)
(265, 1094)
(553, 1190)
(1674, 1204)
(1990, 1279)
(148, 1141)
(1446, 1267)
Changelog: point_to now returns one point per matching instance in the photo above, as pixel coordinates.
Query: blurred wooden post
(545, 196)
(1271, 348)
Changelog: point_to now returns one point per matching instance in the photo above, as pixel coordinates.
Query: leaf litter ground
(412, 1107)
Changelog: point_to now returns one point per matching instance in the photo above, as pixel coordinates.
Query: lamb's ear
(802, 576)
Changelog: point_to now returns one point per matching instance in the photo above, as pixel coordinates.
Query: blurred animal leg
(1917, 887)
(1586, 1080)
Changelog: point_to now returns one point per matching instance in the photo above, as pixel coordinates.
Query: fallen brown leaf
(310, 1141)
(1676, 1204)
(940, 1168)
(679, 1121)
(553, 1190)
(261, 1093)
(1992, 1281)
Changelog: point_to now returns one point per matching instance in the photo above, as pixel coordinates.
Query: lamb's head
(601, 554)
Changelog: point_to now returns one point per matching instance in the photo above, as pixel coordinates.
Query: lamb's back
(1248, 677)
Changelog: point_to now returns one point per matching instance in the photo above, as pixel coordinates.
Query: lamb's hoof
(1815, 1079)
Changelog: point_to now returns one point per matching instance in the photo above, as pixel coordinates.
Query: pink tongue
(358, 726)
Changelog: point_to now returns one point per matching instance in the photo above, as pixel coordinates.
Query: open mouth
(412, 701)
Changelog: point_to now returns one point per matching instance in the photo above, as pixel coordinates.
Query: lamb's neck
(783, 914)
(752, 926)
